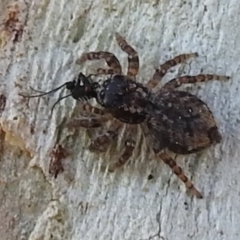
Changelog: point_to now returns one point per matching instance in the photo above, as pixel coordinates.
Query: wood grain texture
(85, 201)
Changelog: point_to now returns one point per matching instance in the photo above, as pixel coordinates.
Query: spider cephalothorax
(124, 98)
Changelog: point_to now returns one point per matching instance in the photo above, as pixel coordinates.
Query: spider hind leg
(179, 173)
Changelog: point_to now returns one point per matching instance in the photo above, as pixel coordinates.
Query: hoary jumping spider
(171, 120)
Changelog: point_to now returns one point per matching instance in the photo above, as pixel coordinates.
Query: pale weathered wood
(85, 201)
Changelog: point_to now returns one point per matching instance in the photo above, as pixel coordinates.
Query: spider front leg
(178, 171)
(177, 82)
(133, 60)
(110, 58)
(162, 70)
(127, 153)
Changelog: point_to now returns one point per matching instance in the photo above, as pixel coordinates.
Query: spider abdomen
(182, 123)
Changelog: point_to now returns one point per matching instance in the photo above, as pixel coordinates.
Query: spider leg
(177, 82)
(101, 143)
(162, 70)
(90, 109)
(110, 58)
(178, 171)
(105, 71)
(170, 162)
(127, 153)
(133, 60)
(89, 122)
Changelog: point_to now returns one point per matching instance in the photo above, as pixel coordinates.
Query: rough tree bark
(40, 42)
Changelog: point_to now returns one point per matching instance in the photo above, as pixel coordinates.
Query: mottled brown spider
(171, 120)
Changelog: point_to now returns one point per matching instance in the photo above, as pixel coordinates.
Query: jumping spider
(171, 120)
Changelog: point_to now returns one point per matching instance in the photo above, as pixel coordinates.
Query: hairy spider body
(132, 103)
(184, 126)
(170, 120)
